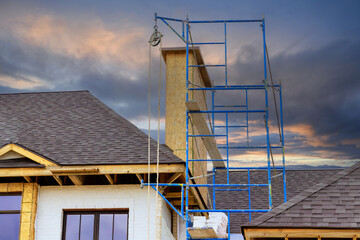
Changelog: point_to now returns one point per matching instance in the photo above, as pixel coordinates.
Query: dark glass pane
(120, 226)
(87, 227)
(72, 227)
(9, 226)
(105, 226)
(10, 202)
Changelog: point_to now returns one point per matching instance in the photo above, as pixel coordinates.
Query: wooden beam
(299, 233)
(67, 170)
(139, 177)
(110, 179)
(28, 179)
(202, 233)
(173, 195)
(191, 202)
(203, 129)
(58, 179)
(77, 180)
(5, 149)
(174, 177)
(103, 169)
(115, 178)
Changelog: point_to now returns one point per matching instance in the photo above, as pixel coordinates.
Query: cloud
(20, 81)
(80, 40)
(320, 85)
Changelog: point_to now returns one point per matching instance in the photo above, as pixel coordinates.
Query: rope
(149, 122)
(158, 142)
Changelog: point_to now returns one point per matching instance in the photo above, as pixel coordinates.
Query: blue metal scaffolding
(226, 111)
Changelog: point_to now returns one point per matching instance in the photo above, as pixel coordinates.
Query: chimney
(175, 123)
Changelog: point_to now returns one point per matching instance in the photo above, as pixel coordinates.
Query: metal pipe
(205, 185)
(187, 136)
(207, 135)
(167, 201)
(247, 116)
(231, 106)
(206, 160)
(249, 87)
(246, 168)
(229, 126)
(208, 43)
(208, 65)
(227, 148)
(173, 30)
(282, 142)
(170, 19)
(249, 194)
(212, 108)
(225, 40)
(214, 194)
(182, 199)
(244, 147)
(229, 111)
(228, 210)
(231, 190)
(227, 21)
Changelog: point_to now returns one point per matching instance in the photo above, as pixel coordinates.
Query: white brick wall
(53, 199)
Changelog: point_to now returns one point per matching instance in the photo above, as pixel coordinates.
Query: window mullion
(113, 230)
(80, 227)
(96, 226)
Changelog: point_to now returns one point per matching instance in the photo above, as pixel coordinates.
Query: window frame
(96, 213)
(13, 211)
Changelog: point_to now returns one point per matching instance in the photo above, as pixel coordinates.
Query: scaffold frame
(226, 110)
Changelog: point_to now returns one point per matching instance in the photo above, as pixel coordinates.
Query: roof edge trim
(26, 153)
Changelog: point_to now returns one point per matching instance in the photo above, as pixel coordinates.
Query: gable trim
(252, 233)
(26, 153)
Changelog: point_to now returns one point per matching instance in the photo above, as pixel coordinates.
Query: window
(95, 225)
(10, 206)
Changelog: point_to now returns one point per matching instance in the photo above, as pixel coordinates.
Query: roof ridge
(304, 195)
(132, 127)
(44, 92)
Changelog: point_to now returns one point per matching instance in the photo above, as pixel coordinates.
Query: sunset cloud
(49, 46)
(113, 48)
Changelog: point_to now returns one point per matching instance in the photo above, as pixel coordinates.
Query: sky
(101, 46)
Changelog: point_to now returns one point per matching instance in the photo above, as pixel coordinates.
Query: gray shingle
(74, 128)
(329, 207)
(297, 181)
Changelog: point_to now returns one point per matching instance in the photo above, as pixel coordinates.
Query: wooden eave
(91, 170)
(252, 233)
(77, 173)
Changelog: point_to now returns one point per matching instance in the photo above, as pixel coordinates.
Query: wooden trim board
(203, 129)
(251, 233)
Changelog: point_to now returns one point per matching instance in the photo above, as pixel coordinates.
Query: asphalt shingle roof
(74, 128)
(296, 180)
(332, 203)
